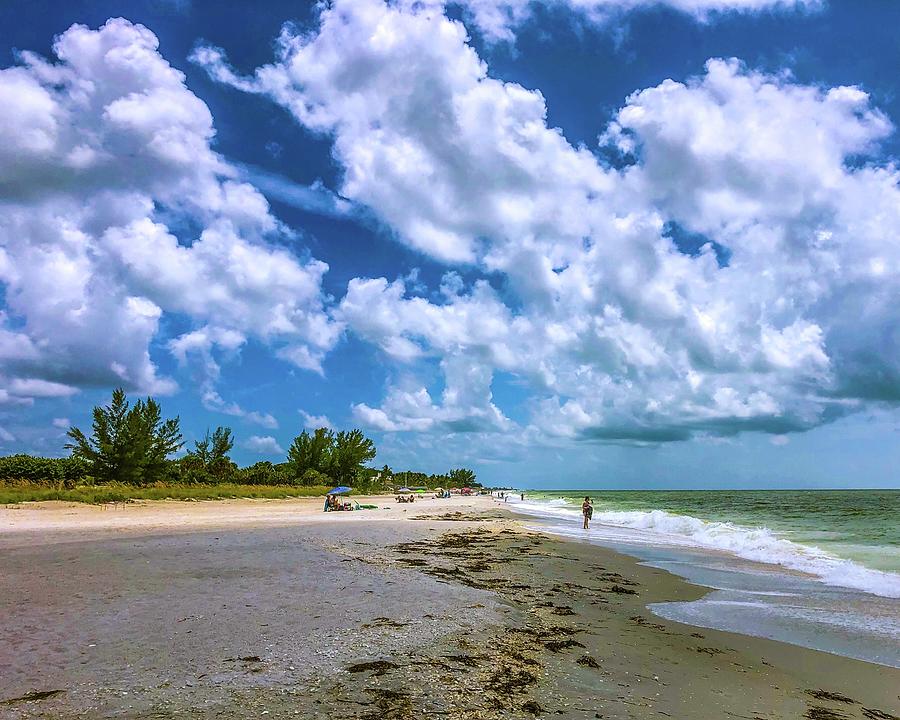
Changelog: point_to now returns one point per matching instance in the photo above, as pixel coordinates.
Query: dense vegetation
(116, 492)
(340, 456)
(462, 477)
(43, 472)
(128, 454)
(128, 444)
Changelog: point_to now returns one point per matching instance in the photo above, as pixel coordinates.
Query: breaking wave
(760, 544)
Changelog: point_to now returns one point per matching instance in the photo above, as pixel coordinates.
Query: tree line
(462, 477)
(132, 444)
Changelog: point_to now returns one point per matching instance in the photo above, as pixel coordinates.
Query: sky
(566, 243)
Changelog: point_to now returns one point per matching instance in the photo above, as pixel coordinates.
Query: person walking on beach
(587, 509)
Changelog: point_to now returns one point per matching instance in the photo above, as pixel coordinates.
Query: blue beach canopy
(340, 490)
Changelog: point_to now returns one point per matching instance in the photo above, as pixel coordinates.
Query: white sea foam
(760, 544)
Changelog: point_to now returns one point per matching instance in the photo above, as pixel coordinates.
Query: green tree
(314, 477)
(311, 452)
(261, 473)
(222, 443)
(462, 477)
(209, 460)
(351, 451)
(213, 447)
(127, 444)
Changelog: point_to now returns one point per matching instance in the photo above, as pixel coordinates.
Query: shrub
(314, 477)
(261, 473)
(46, 472)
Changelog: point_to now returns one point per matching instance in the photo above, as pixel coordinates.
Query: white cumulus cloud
(617, 332)
(313, 422)
(264, 445)
(115, 209)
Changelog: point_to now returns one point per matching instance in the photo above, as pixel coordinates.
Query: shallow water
(818, 569)
(844, 536)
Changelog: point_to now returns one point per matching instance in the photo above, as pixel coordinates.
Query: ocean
(816, 568)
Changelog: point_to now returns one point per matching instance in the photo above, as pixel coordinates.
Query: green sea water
(859, 525)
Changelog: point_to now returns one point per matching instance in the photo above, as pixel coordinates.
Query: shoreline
(765, 582)
(504, 623)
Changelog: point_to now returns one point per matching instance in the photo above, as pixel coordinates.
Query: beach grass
(98, 494)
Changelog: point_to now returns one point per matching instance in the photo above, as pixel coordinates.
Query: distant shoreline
(670, 490)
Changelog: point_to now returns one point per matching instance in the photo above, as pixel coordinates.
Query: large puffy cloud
(736, 148)
(421, 130)
(760, 164)
(115, 209)
(469, 335)
(619, 334)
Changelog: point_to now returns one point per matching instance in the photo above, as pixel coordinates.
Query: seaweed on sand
(621, 590)
(508, 664)
(644, 622)
(376, 667)
(506, 680)
(558, 645)
(817, 712)
(414, 562)
(436, 558)
(385, 622)
(563, 610)
(478, 566)
(533, 707)
(391, 704)
(707, 650)
(467, 660)
(462, 517)
(833, 696)
(873, 714)
(32, 696)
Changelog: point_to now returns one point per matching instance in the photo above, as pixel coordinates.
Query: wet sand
(271, 608)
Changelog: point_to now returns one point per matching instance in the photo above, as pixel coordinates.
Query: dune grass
(98, 494)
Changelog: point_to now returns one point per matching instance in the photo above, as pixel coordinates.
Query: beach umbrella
(340, 490)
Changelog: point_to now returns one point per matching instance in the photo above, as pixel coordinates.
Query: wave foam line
(756, 544)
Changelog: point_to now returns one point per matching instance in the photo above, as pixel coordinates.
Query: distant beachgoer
(587, 509)
(521, 496)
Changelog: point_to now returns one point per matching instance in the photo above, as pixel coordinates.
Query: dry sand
(274, 609)
(64, 521)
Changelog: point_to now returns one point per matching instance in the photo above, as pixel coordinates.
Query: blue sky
(614, 244)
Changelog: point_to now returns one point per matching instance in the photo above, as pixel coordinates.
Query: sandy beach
(444, 608)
